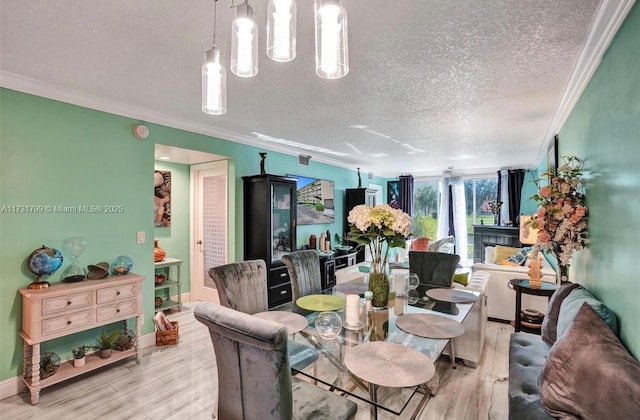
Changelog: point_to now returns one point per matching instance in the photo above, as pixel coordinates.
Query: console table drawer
(61, 303)
(67, 323)
(116, 311)
(111, 294)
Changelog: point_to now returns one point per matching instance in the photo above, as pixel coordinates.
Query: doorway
(210, 221)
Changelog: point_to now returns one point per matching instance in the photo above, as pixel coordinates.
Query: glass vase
(379, 286)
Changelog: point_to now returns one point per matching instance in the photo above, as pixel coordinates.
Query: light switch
(140, 237)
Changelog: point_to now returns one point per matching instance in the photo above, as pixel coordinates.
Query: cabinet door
(282, 220)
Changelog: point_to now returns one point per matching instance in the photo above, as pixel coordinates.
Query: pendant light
(244, 42)
(332, 55)
(281, 30)
(214, 78)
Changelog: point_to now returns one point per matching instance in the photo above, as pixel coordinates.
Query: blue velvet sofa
(577, 368)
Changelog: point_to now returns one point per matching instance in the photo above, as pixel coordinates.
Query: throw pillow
(462, 278)
(549, 324)
(503, 252)
(445, 245)
(520, 256)
(589, 374)
(420, 244)
(572, 304)
(489, 251)
(507, 262)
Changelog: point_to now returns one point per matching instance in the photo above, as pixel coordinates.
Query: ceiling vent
(304, 160)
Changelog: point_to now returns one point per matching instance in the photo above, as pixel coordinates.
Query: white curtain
(504, 196)
(459, 213)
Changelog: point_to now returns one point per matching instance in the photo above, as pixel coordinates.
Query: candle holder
(354, 313)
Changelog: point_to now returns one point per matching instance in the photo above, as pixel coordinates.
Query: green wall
(603, 129)
(52, 153)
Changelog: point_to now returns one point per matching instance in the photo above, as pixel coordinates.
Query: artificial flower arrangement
(561, 219)
(380, 227)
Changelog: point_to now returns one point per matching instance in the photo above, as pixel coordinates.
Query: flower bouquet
(562, 216)
(380, 227)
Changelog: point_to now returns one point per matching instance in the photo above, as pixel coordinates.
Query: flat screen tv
(315, 201)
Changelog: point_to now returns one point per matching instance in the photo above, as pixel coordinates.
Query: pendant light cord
(215, 10)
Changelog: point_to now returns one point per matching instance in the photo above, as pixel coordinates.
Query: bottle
(312, 242)
(323, 242)
(327, 241)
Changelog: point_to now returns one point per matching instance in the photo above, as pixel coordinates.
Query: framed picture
(162, 198)
(393, 194)
(552, 157)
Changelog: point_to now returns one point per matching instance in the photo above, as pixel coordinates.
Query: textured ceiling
(470, 84)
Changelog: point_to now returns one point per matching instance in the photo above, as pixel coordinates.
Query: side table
(522, 286)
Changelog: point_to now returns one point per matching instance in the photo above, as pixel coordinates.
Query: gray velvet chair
(435, 269)
(243, 286)
(253, 371)
(304, 272)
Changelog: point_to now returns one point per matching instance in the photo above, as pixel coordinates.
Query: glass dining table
(331, 372)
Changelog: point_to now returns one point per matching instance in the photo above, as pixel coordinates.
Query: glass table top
(330, 369)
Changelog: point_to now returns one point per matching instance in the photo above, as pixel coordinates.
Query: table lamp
(529, 236)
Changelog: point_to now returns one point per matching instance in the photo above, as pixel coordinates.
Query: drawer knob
(283, 275)
(118, 293)
(68, 302)
(68, 322)
(117, 310)
(283, 292)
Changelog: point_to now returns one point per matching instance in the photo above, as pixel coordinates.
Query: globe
(122, 265)
(42, 262)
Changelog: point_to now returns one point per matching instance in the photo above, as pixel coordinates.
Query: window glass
(478, 193)
(424, 220)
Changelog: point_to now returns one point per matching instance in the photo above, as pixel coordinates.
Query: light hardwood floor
(179, 382)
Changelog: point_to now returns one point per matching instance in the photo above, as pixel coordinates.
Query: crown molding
(36, 87)
(608, 20)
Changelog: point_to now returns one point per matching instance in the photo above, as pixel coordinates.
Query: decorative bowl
(98, 271)
(158, 301)
(343, 248)
(160, 278)
(328, 325)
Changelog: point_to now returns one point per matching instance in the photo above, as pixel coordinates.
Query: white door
(209, 236)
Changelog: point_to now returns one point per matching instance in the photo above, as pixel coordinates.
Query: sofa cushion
(549, 324)
(520, 256)
(527, 356)
(445, 245)
(572, 304)
(589, 374)
(462, 278)
(503, 252)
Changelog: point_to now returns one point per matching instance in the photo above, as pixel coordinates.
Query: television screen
(314, 200)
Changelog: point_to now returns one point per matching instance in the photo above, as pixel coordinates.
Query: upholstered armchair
(243, 286)
(435, 269)
(253, 371)
(304, 272)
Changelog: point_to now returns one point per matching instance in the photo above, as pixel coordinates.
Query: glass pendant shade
(281, 30)
(244, 42)
(332, 54)
(214, 84)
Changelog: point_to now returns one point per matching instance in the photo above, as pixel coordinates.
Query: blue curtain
(406, 193)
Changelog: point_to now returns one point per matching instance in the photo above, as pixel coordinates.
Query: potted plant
(79, 356)
(106, 342)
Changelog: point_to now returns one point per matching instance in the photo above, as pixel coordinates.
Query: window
(478, 193)
(424, 220)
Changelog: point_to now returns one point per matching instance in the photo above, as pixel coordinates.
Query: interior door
(209, 236)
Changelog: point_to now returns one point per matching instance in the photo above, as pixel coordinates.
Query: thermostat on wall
(141, 131)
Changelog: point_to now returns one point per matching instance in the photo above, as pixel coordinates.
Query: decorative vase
(158, 253)
(79, 362)
(379, 286)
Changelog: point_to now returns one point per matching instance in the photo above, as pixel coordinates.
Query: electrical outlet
(140, 237)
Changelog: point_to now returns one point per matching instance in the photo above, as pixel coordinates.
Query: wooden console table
(68, 308)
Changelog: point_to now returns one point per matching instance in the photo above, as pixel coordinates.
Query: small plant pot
(79, 362)
(105, 354)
